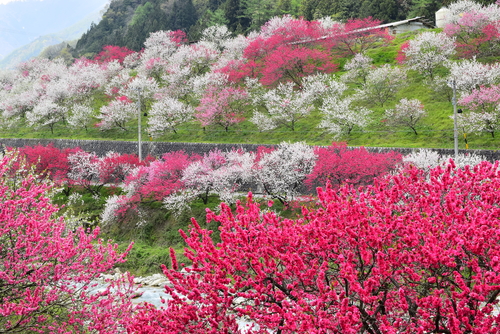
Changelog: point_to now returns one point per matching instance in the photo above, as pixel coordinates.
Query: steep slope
(129, 22)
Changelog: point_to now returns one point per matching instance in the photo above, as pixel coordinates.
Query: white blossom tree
(427, 51)
(341, 116)
(479, 122)
(81, 116)
(406, 113)
(382, 84)
(281, 171)
(166, 114)
(458, 8)
(358, 68)
(217, 173)
(84, 169)
(470, 74)
(158, 48)
(284, 106)
(428, 159)
(117, 113)
(46, 113)
(216, 34)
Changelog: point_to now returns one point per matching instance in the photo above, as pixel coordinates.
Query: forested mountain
(129, 22)
(22, 22)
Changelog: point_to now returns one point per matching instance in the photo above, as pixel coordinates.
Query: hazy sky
(3, 2)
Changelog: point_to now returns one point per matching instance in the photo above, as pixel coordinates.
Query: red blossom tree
(48, 161)
(338, 164)
(158, 179)
(475, 36)
(48, 273)
(414, 253)
(112, 52)
(114, 167)
(356, 36)
(285, 53)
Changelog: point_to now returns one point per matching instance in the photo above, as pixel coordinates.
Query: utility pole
(455, 129)
(139, 142)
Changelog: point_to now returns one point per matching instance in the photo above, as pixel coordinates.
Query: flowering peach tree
(48, 273)
(416, 252)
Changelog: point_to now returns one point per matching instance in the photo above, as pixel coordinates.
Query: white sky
(4, 2)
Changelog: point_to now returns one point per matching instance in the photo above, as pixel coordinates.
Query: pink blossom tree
(48, 272)
(356, 36)
(221, 106)
(49, 162)
(146, 184)
(217, 173)
(285, 50)
(475, 28)
(484, 115)
(112, 52)
(414, 253)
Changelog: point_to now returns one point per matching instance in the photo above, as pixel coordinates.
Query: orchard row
(177, 179)
(415, 252)
(274, 78)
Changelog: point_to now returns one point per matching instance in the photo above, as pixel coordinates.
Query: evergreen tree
(234, 12)
(326, 8)
(308, 8)
(183, 15)
(284, 7)
(258, 12)
(346, 9)
(384, 10)
(426, 8)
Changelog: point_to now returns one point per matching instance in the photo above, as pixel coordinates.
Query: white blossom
(428, 50)
(46, 113)
(407, 113)
(284, 106)
(358, 68)
(341, 117)
(471, 74)
(382, 84)
(166, 114)
(116, 114)
(281, 172)
(81, 116)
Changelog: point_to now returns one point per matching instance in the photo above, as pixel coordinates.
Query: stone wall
(157, 149)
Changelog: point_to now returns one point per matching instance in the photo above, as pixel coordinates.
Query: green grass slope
(434, 131)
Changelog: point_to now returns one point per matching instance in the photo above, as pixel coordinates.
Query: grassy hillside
(435, 131)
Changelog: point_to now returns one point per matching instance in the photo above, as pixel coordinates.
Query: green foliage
(141, 13)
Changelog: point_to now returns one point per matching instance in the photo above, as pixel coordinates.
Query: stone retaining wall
(101, 147)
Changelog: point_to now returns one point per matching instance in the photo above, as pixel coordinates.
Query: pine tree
(384, 10)
(308, 8)
(234, 12)
(183, 15)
